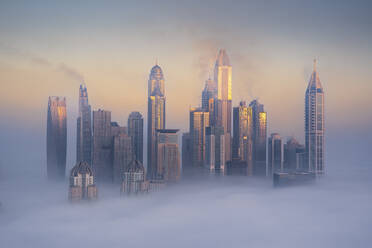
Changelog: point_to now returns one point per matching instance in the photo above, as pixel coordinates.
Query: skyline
(271, 60)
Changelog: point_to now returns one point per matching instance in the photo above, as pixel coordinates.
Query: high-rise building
(294, 156)
(135, 131)
(275, 154)
(82, 185)
(242, 139)
(259, 121)
(156, 116)
(168, 155)
(223, 106)
(215, 149)
(56, 137)
(134, 181)
(122, 154)
(102, 145)
(84, 128)
(199, 120)
(314, 124)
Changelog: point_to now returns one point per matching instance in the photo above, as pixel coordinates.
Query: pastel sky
(49, 47)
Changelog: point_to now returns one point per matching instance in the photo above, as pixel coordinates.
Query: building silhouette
(242, 139)
(82, 185)
(156, 116)
(84, 128)
(56, 137)
(314, 124)
(102, 146)
(168, 155)
(259, 123)
(275, 154)
(135, 131)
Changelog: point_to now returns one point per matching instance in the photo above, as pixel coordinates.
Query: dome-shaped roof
(81, 168)
(135, 166)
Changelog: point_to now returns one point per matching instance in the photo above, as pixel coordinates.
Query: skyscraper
(242, 139)
(168, 155)
(155, 116)
(199, 120)
(84, 128)
(223, 107)
(135, 131)
(102, 145)
(56, 137)
(259, 118)
(275, 154)
(122, 154)
(314, 124)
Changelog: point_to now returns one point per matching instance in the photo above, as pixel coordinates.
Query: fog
(218, 212)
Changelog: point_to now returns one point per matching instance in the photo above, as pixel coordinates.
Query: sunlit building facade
(82, 186)
(259, 118)
(314, 124)
(156, 117)
(56, 137)
(84, 128)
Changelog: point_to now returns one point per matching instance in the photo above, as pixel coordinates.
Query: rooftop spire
(314, 65)
(222, 58)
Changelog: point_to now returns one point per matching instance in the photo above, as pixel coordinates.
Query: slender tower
(314, 124)
(135, 131)
(259, 121)
(84, 128)
(155, 117)
(56, 137)
(223, 107)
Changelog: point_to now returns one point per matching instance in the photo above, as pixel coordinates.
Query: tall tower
(84, 128)
(155, 116)
(135, 131)
(56, 137)
(102, 145)
(223, 107)
(199, 120)
(259, 118)
(242, 140)
(314, 124)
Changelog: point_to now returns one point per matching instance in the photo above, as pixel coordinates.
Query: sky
(50, 47)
